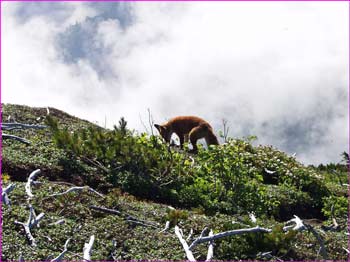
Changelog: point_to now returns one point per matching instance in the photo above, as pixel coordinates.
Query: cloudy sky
(275, 70)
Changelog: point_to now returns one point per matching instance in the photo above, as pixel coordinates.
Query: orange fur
(188, 127)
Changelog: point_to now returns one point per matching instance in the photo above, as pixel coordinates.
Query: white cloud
(275, 70)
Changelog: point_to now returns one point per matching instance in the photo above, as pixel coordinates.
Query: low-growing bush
(231, 178)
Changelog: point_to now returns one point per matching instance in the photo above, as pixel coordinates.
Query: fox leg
(195, 134)
(182, 139)
(186, 138)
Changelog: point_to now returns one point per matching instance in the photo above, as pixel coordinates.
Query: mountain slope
(140, 177)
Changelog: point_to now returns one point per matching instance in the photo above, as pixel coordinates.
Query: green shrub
(335, 206)
(230, 178)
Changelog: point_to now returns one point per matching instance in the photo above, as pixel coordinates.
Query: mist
(278, 71)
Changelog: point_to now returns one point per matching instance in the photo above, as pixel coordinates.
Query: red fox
(188, 127)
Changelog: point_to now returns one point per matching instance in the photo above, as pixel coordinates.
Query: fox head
(164, 131)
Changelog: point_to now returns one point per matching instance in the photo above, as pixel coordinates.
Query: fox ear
(157, 126)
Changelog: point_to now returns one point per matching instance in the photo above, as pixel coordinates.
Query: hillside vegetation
(149, 183)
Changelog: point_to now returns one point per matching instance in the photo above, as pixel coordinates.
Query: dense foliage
(231, 178)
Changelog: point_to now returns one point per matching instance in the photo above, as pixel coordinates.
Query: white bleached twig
(204, 231)
(28, 233)
(78, 188)
(12, 126)
(126, 216)
(30, 181)
(189, 235)
(88, 247)
(32, 222)
(167, 225)
(299, 225)
(229, 233)
(59, 222)
(210, 253)
(6, 192)
(252, 217)
(61, 255)
(188, 252)
(17, 138)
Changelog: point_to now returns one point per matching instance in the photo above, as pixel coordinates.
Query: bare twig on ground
(32, 222)
(30, 182)
(13, 126)
(167, 225)
(61, 255)
(126, 216)
(17, 138)
(229, 233)
(188, 252)
(210, 248)
(88, 248)
(6, 192)
(77, 188)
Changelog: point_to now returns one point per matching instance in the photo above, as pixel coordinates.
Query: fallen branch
(188, 252)
(77, 188)
(88, 247)
(210, 248)
(107, 210)
(28, 233)
(167, 225)
(323, 250)
(17, 138)
(6, 192)
(59, 222)
(60, 256)
(95, 163)
(189, 235)
(32, 222)
(126, 216)
(30, 181)
(229, 233)
(12, 126)
(299, 226)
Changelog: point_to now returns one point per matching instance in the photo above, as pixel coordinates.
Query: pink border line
(349, 131)
(174, 1)
(167, 1)
(0, 137)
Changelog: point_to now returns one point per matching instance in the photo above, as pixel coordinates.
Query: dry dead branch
(77, 188)
(188, 252)
(88, 248)
(30, 181)
(17, 138)
(210, 248)
(61, 255)
(211, 237)
(32, 222)
(229, 233)
(6, 192)
(13, 126)
(126, 216)
(167, 225)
